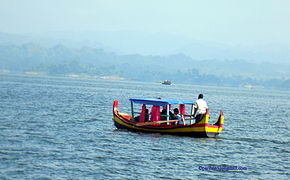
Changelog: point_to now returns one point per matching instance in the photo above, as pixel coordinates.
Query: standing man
(200, 107)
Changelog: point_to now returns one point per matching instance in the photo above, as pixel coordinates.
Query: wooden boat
(156, 124)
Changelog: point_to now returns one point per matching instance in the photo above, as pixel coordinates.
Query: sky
(247, 22)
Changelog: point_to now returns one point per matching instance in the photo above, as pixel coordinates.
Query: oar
(156, 122)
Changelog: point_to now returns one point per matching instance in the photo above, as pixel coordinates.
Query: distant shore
(71, 75)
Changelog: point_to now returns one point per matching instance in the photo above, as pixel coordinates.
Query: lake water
(62, 128)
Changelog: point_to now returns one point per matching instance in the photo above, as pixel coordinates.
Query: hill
(180, 68)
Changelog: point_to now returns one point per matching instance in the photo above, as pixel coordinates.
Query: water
(62, 128)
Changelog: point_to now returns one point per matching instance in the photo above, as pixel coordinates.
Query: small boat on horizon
(156, 122)
(166, 82)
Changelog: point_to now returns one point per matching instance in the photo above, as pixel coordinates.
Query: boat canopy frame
(159, 102)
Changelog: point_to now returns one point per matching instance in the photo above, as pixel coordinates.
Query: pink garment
(142, 116)
(182, 108)
(155, 113)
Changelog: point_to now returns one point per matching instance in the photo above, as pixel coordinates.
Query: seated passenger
(171, 115)
(137, 118)
(147, 115)
(163, 115)
(177, 116)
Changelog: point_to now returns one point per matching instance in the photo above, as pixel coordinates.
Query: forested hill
(179, 68)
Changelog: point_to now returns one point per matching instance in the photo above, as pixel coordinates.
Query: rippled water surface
(62, 128)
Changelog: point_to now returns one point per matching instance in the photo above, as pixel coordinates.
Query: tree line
(60, 60)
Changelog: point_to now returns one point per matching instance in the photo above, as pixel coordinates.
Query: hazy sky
(229, 21)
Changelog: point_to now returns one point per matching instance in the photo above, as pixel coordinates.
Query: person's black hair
(200, 96)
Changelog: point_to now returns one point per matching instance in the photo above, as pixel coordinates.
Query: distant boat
(166, 82)
(158, 122)
(252, 86)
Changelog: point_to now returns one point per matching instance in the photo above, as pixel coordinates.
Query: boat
(166, 82)
(153, 122)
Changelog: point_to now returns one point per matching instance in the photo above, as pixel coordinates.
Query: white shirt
(201, 106)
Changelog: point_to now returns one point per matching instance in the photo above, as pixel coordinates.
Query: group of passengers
(172, 116)
(200, 108)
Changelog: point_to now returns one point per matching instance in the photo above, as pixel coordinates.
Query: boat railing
(141, 113)
(191, 117)
(188, 117)
(162, 115)
(185, 118)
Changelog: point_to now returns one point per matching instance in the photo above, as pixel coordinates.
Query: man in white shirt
(200, 108)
